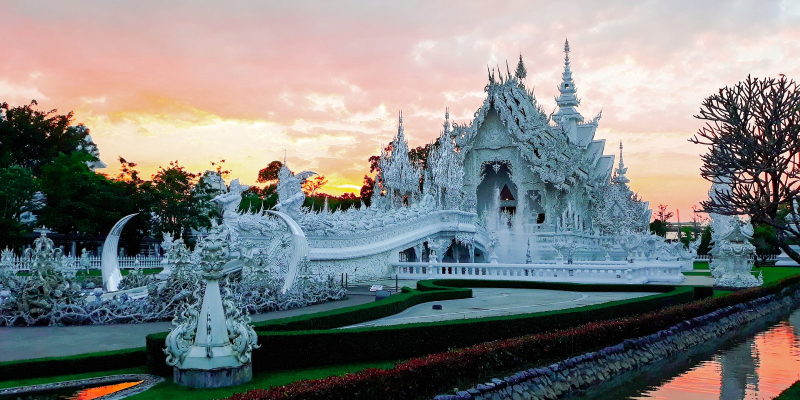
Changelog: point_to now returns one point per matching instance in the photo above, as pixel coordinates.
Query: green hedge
(77, 364)
(364, 312)
(280, 346)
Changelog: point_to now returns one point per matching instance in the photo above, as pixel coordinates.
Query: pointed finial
(521, 72)
(446, 124)
(566, 45)
(284, 156)
(400, 124)
(621, 170)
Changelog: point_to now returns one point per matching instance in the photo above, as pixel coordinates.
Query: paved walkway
(492, 302)
(20, 343)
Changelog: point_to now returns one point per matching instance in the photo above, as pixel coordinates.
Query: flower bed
(429, 374)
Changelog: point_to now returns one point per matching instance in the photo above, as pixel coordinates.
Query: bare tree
(753, 133)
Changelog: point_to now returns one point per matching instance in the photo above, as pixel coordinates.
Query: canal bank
(613, 365)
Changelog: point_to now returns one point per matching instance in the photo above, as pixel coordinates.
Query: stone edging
(148, 381)
(592, 368)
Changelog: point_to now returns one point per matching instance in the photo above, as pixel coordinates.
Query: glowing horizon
(243, 81)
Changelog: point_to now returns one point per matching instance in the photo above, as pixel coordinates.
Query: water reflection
(759, 363)
(96, 392)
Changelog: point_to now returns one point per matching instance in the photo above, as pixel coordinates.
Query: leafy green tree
(660, 225)
(705, 242)
(136, 198)
(32, 139)
(766, 241)
(17, 193)
(78, 200)
(752, 134)
(687, 235)
(181, 200)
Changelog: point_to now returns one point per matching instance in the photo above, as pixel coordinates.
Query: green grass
(169, 390)
(791, 393)
(774, 274)
(697, 273)
(700, 265)
(771, 274)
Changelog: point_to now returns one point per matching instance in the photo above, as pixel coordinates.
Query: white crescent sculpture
(299, 252)
(110, 264)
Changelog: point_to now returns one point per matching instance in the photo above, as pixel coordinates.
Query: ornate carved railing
(583, 272)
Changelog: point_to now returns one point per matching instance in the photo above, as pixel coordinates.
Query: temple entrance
(497, 192)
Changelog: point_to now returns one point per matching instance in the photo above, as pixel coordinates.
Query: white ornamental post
(207, 348)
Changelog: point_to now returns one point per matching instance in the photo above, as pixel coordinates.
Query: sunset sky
(200, 81)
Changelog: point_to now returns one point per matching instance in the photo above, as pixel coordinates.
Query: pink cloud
(200, 81)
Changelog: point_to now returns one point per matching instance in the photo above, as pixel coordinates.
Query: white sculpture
(290, 191)
(212, 341)
(110, 264)
(733, 253)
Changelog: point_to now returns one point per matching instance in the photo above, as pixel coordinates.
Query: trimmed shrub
(77, 364)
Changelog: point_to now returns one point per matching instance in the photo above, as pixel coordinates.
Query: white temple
(513, 193)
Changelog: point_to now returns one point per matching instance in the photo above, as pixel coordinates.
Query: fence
(709, 257)
(23, 264)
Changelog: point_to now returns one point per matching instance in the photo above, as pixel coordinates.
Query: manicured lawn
(771, 274)
(171, 391)
(774, 274)
(697, 273)
(700, 265)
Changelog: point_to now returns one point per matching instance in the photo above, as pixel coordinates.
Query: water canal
(758, 363)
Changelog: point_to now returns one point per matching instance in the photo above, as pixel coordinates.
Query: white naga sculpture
(212, 341)
(733, 253)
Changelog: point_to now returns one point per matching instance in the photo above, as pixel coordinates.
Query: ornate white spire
(400, 125)
(621, 170)
(446, 124)
(568, 99)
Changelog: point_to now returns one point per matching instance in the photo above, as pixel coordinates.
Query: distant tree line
(45, 171)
